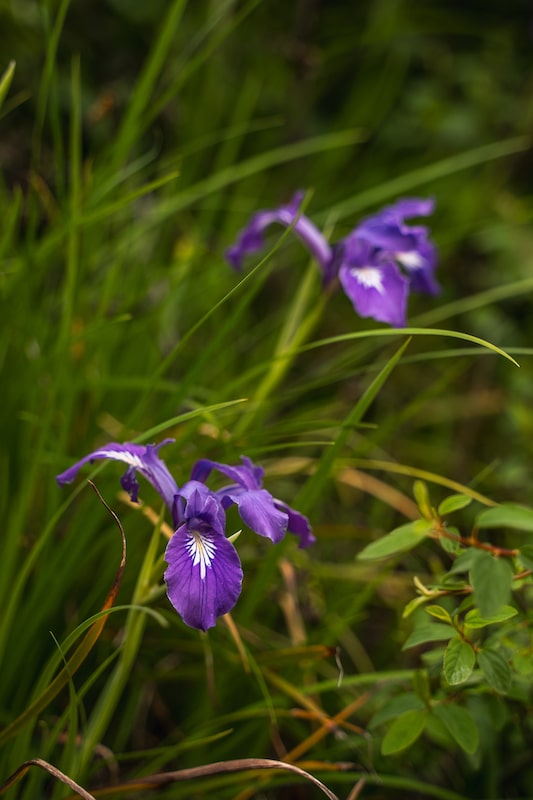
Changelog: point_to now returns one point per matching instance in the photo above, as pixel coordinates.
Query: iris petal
(251, 238)
(204, 574)
(298, 524)
(139, 458)
(263, 513)
(376, 290)
(258, 511)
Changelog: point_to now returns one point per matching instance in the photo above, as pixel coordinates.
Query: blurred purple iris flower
(204, 574)
(377, 264)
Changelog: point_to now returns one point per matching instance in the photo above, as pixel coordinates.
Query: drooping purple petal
(264, 514)
(251, 238)
(139, 458)
(204, 574)
(256, 506)
(298, 524)
(376, 287)
(257, 510)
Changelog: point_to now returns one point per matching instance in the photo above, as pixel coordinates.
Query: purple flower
(377, 264)
(251, 238)
(407, 244)
(263, 513)
(140, 458)
(204, 574)
(373, 282)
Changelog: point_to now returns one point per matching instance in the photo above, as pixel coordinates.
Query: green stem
(109, 699)
(295, 332)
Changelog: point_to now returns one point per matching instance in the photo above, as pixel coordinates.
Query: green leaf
(310, 493)
(395, 708)
(404, 731)
(526, 556)
(450, 545)
(398, 541)
(431, 632)
(506, 515)
(453, 503)
(421, 495)
(496, 670)
(439, 613)
(523, 663)
(5, 81)
(412, 605)
(463, 562)
(422, 686)
(491, 580)
(474, 619)
(459, 660)
(459, 724)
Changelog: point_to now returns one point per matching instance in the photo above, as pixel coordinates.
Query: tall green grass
(121, 321)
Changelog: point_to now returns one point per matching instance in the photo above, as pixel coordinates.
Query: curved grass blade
(430, 477)
(81, 652)
(314, 485)
(216, 768)
(467, 337)
(142, 95)
(257, 164)
(439, 169)
(197, 412)
(53, 771)
(5, 81)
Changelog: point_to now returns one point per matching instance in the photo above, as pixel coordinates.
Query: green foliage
(455, 502)
(473, 618)
(506, 515)
(404, 731)
(459, 724)
(495, 669)
(491, 579)
(5, 82)
(424, 634)
(136, 140)
(459, 660)
(398, 541)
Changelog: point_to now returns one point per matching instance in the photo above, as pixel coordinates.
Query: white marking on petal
(368, 277)
(410, 260)
(201, 550)
(122, 455)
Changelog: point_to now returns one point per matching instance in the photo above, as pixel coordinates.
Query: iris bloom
(204, 574)
(377, 264)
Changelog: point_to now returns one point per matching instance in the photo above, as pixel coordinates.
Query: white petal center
(201, 550)
(121, 455)
(368, 277)
(410, 260)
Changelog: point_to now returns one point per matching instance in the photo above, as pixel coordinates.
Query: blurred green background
(136, 139)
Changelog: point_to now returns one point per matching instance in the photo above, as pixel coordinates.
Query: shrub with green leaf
(139, 142)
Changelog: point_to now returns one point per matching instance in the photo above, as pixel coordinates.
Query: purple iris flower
(263, 513)
(377, 264)
(139, 458)
(204, 574)
(407, 244)
(251, 238)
